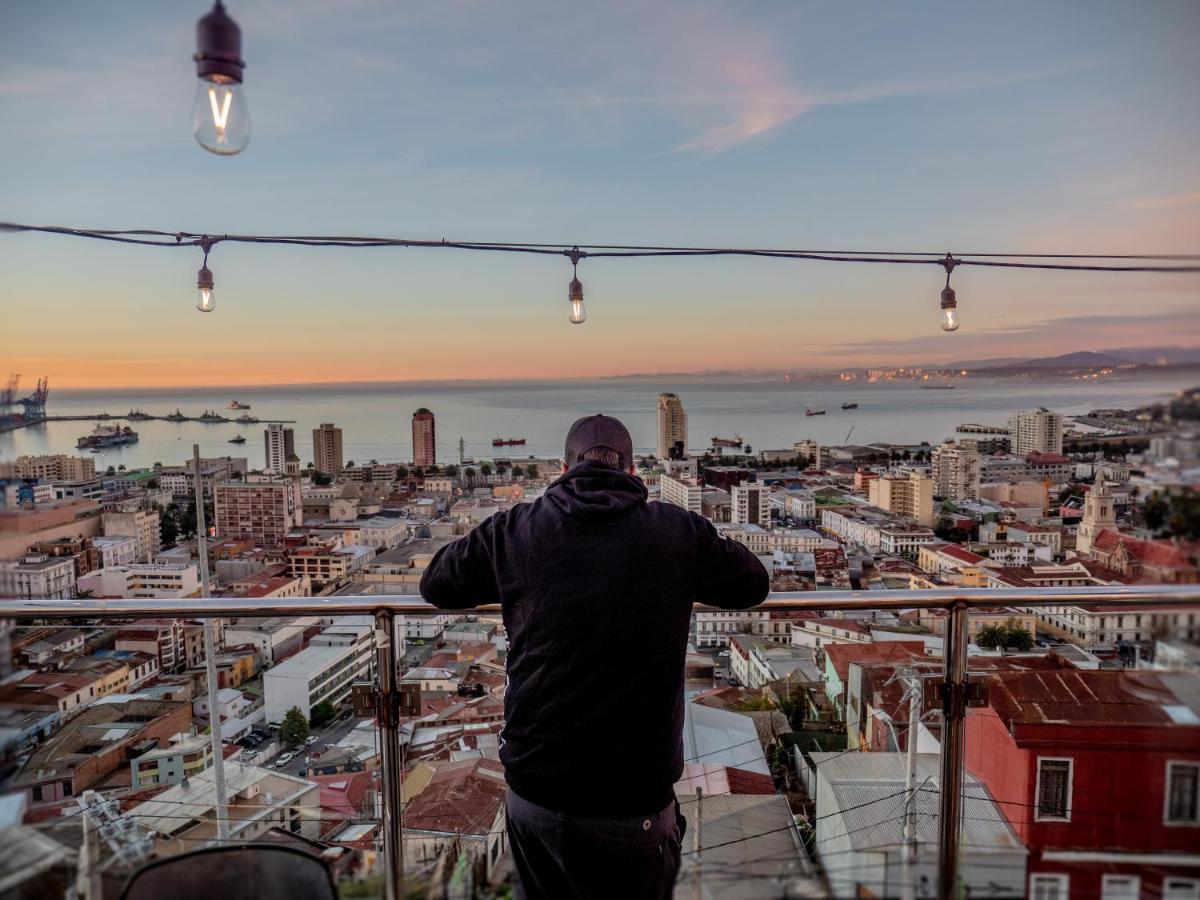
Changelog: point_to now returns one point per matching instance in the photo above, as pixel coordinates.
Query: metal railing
(385, 608)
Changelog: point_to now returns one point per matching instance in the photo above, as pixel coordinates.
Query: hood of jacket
(592, 491)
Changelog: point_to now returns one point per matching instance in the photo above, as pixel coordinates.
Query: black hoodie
(596, 587)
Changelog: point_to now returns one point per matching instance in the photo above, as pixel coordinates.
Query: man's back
(596, 587)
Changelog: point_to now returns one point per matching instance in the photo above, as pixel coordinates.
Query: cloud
(1169, 200)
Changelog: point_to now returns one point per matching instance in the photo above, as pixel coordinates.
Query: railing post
(388, 714)
(954, 712)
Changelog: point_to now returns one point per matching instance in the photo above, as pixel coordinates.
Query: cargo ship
(210, 415)
(814, 412)
(507, 442)
(735, 441)
(937, 387)
(849, 406)
(237, 439)
(107, 436)
(246, 419)
(237, 404)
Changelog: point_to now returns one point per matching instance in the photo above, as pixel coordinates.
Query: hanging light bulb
(949, 302)
(575, 289)
(220, 116)
(204, 281)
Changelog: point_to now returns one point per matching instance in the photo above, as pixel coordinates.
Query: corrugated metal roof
(873, 816)
(722, 737)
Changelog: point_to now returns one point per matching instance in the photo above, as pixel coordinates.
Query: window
(1120, 887)
(1183, 793)
(1048, 887)
(1180, 889)
(1053, 790)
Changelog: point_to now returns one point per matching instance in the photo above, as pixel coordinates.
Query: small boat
(849, 406)
(507, 442)
(735, 441)
(237, 404)
(814, 412)
(246, 419)
(937, 387)
(176, 416)
(237, 439)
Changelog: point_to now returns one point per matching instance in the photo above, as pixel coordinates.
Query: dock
(972, 428)
(204, 420)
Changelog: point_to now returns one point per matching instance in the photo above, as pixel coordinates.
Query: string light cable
(1078, 262)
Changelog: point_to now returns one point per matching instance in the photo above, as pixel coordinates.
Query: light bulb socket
(948, 299)
(219, 47)
(575, 291)
(204, 279)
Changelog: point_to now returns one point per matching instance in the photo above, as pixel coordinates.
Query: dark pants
(562, 857)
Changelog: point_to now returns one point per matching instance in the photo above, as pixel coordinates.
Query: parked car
(284, 760)
(723, 653)
(310, 740)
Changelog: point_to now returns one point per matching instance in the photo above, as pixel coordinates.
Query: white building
(280, 443)
(1036, 431)
(800, 505)
(184, 758)
(672, 426)
(325, 670)
(118, 550)
(273, 639)
(751, 504)
(762, 542)
(811, 449)
(681, 491)
(38, 577)
(142, 524)
(160, 580)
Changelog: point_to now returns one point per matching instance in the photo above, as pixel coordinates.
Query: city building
(811, 450)
(671, 429)
(55, 467)
(159, 580)
(171, 764)
(955, 470)
(118, 550)
(681, 491)
(142, 524)
(38, 576)
(261, 510)
(751, 504)
(280, 443)
(424, 439)
(259, 800)
(181, 480)
(860, 815)
(1098, 773)
(909, 495)
(1035, 431)
(323, 671)
(327, 449)
(1099, 513)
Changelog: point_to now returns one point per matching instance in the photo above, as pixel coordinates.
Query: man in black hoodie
(596, 587)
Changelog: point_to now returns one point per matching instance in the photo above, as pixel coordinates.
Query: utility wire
(148, 237)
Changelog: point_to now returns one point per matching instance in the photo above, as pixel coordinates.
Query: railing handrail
(1150, 595)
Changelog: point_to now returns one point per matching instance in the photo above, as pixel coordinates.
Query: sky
(930, 127)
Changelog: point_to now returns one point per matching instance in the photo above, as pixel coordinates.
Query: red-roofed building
(1168, 562)
(838, 658)
(463, 805)
(716, 779)
(1098, 772)
(345, 797)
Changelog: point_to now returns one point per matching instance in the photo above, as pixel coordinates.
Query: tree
(451, 470)
(111, 471)
(295, 728)
(486, 469)
(518, 472)
(1008, 636)
(322, 714)
(470, 472)
(1184, 520)
(1155, 511)
(320, 478)
(168, 529)
(401, 471)
(121, 467)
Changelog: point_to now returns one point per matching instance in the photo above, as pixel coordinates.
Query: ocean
(375, 418)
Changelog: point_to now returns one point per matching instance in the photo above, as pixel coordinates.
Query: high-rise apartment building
(672, 427)
(327, 449)
(423, 438)
(281, 447)
(1035, 431)
(681, 491)
(261, 510)
(956, 470)
(751, 504)
(56, 467)
(810, 449)
(909, 495)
